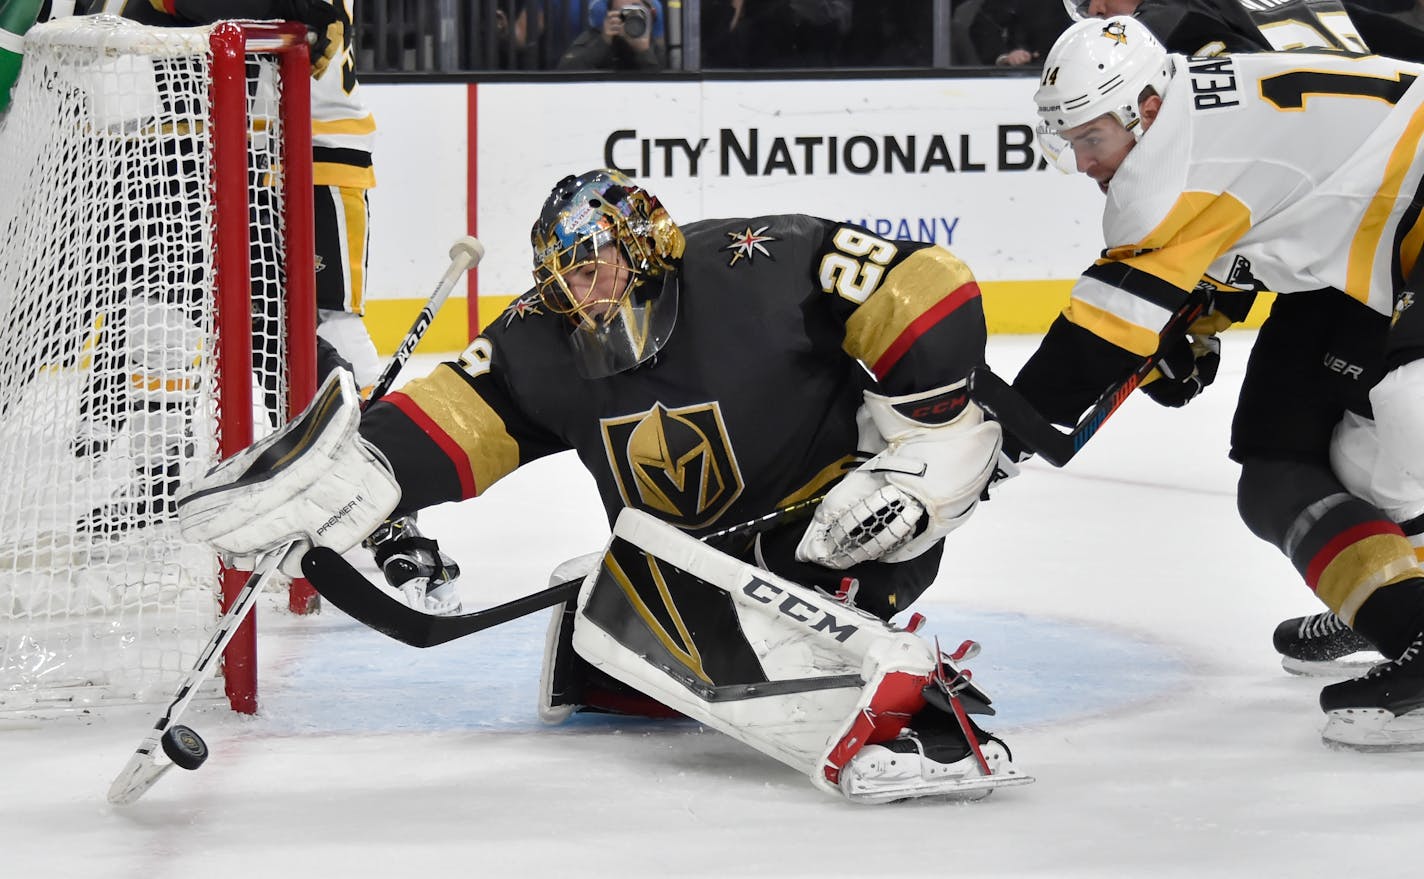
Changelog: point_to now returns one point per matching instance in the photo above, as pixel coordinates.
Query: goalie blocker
(864, 709)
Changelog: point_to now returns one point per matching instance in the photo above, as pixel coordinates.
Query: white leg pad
(550, 713)
(782, 668)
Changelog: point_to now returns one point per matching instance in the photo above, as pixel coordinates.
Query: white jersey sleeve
(1282, 172)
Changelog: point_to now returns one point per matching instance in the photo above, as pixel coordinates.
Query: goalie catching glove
(936, 455)
(315, 481)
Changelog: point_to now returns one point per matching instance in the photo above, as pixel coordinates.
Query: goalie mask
(606, 255)
(1097, 67)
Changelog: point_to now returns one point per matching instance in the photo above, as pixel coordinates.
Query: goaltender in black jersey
(711, 393)
(706, 375)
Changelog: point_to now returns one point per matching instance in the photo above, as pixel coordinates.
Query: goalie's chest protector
(750, 402)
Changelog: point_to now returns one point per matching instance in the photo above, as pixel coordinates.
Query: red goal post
(157, 314)
(231, 43)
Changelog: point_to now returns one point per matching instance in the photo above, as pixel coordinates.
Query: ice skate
(415, 567)
(1322, 644)
(943, 752)
(1381, 711)
(940, 763)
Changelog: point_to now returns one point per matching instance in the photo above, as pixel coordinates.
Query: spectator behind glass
(517, 32)
(616, 39)
(893, 34)
(577, 13)
(776, 33)
(1006, 33)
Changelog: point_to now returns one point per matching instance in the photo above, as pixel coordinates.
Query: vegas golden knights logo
(674, 463)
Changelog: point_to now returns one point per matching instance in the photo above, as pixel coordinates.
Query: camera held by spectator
(621, 35)
(635, 21)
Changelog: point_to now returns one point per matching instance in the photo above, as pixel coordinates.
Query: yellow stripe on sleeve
(1359, 275)
(449, 401)
(1199, 228)
(911, 289)
(1108, 326)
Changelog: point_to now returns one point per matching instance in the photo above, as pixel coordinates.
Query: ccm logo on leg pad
(798, 609)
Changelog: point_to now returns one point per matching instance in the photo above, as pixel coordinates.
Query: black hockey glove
(329, 26)
(1189, 365)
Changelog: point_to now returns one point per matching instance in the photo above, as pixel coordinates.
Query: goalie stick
(1018, 416)
(465, 254)
(183, 746)
(349, 590)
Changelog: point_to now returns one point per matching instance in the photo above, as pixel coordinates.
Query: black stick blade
(348, 590)
(1018, 416)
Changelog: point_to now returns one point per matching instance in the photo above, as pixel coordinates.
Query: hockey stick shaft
(142, 770)
(348, 589)
(1018, 416)
(465, 254)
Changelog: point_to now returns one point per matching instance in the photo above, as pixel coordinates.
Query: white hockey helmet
(1098, 67)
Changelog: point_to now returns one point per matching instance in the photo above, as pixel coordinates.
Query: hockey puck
(184, 747)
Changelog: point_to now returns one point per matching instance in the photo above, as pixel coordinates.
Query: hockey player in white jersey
(1301, 174)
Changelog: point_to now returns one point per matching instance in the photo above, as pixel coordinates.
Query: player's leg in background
(1317, 355)
(342, 221)
(412, 562)
(1350, 553)
(1372, 452)
(1397, 482)
(145, 368)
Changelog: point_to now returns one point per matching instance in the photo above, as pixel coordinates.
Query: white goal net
(144, 334)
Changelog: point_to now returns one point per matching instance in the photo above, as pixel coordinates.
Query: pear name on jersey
(1213, 82)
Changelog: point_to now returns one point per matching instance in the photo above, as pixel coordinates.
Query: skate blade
(1351, 666)
(1373, 730)
(960, 789)
(413, 593)
(965, 790)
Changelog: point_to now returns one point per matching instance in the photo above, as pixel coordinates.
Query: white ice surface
(1125, 615)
